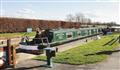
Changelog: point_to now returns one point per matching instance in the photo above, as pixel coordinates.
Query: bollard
(9, 51)
(86, 40)
(11, 54)
(56, 49)
(49, 58)
(50, 52)
(119, 38)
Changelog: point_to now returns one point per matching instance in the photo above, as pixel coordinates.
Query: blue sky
(97, 10)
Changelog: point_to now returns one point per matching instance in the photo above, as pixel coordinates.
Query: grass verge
(6, 35)
(91, 52)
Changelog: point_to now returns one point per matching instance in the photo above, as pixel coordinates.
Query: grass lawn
(6, 35)
(91, 52)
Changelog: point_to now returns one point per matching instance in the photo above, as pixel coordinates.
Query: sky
(96, 10)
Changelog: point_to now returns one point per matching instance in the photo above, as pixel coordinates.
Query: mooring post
(50, 52)
(11, 54)
(13, 48)
(9, 51)
(119, 38)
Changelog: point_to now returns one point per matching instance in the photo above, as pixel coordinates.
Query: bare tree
(70, 18)
(111, 24)
(79, 17)
(87, 20)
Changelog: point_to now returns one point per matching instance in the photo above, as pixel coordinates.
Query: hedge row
(20, 25)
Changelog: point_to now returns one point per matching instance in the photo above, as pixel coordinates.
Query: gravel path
(112, 63)
(74, 44)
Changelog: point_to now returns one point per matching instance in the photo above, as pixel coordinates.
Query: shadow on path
(109, 42)
(30, 68)
(103, 52)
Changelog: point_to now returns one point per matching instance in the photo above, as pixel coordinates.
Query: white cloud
(102, 15)
(107, 14)
(2, 12)
(26, 13)
(90, 14)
